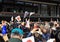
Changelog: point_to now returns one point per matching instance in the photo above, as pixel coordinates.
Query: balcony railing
(22, 15)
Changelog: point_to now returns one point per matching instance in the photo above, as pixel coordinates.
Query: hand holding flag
(27, 23)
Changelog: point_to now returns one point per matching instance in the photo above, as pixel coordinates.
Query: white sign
(29, 39)
(50, 40)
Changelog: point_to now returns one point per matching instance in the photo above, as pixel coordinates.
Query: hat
(17, 30)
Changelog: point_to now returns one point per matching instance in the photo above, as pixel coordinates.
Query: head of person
(44, 30)
(17, 33)
(36, 25)
(58, 25)
(3, 22)
(41, 27)
(46, 22)
(36, 34)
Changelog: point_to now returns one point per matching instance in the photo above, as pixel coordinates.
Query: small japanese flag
(25, 14)
(29, 39)
(31, 13)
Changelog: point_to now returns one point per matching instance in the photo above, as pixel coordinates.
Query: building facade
(44, 9)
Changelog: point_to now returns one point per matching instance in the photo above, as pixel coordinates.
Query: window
(53, 10)
(58, 11)
(44, 10)
(31, 8)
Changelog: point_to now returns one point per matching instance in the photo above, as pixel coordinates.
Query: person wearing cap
(16, 35)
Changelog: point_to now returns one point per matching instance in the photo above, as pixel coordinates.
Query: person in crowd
(23, 26)
(17, 22)
(36, 33)
(47, 26)
(4, 29)
(38, 37)
(53, 29)
(31, 25)
(41, 32)
(56, 34)
(45, 34)
(36, 25)
(16, 35)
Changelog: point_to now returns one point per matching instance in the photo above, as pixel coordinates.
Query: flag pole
(39, 20)
(23, 19)
(51, 20)
(29, 17)
(57, 20)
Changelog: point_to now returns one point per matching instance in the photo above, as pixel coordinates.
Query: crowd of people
(16, 30)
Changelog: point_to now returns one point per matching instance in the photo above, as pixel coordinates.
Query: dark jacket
(1, 39)
(14, 40)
